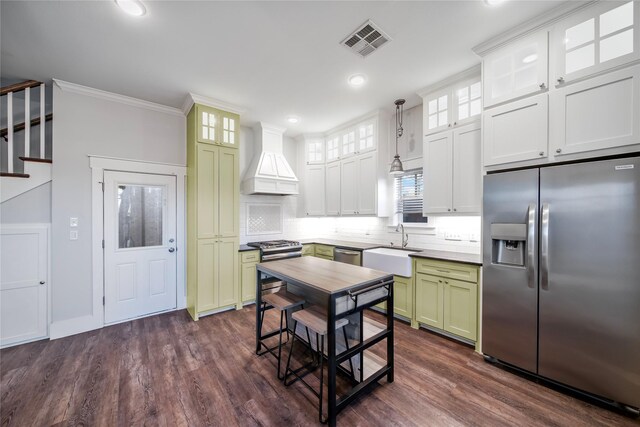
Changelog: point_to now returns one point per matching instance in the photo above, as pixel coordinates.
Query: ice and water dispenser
(509, 244)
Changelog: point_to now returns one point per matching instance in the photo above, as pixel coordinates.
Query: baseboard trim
(74, 326)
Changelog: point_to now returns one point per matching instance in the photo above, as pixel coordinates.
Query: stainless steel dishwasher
(347, 256)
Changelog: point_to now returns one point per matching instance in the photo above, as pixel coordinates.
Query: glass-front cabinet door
(468, 101)
(598, 38)
(348, 139)
(333, 148)
(516, 70)
(366, 136)
(437, 116)
(229, 129)
(217, 127)
(314, 151)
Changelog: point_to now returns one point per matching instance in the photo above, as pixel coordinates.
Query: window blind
(408, 194)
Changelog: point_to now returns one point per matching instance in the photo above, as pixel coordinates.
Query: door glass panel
(475, 90)
(433, 121)
(616, 19)
(433, 106)
(580, 58)
(501, 86)
(617, 45)
(442, 118)
(579, 34)
(525, 77)
(140, 211)
(442, 103)
(228, 130)
(463, 111)
(475, 107)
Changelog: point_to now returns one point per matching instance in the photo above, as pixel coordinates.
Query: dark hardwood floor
(168, 370)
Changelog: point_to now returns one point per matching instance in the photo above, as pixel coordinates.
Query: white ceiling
(272, 58)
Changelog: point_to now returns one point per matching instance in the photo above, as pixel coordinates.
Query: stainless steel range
(278, 249)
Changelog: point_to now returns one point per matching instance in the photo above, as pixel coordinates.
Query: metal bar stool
(315, 320)
(282, 301)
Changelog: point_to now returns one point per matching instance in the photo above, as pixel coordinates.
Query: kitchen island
(345, 291)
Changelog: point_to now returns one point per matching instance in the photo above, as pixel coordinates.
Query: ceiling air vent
(366, 39)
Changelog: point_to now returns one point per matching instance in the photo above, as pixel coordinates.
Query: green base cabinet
(446, 296)
(249, 260)
(324, 252)
(402, 297)
(308, 250)
(430, 300)
(461, 308)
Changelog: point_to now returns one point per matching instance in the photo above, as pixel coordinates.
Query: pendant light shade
(396, 164)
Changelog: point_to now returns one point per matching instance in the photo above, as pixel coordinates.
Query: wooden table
(324, 282)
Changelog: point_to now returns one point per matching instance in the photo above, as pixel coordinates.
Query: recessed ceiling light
(357, 80)
(529, 58)
(293, 119)
(494, 2)
(132, 7)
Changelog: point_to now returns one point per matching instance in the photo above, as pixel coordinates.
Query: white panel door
(437, 173)
(333, 188)
(599, 113)
(467, 169)
(139, 233)
(367, 184)
(349, 186)
(314, 190)
(516, 131)
(23, 284)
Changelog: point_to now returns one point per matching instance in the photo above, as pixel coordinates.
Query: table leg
(258, 310)
(390, 338)
(331, 357)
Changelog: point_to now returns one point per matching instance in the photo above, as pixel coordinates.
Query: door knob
(172, 250)
(42, 282)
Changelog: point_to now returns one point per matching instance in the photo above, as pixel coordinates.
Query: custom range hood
(269, 172)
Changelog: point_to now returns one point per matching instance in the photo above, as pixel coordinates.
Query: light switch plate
(73, 234)
(73, 222)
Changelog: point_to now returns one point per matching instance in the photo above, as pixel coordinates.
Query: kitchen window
(408, 195)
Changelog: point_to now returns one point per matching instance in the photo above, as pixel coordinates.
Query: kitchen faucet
(405, 237)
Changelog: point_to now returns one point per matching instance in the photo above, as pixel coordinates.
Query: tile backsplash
(461, 234)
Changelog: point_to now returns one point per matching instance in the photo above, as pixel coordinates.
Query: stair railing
(28, 122)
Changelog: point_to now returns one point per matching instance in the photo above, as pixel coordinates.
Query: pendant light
(396, 164)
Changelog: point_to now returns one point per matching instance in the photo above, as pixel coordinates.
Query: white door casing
(140, 241)
(24, 282)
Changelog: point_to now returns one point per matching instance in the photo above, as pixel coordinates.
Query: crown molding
(463, 75)
(538, 23)
(115, 97)
(376, 114)
(193, 98)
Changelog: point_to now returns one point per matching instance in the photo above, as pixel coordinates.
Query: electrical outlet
(474, 237)
(73, 235)
(450, 235)
(73, 222)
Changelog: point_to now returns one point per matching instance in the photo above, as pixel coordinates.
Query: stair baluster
(27, 119)
(10, 132)
(42, 122)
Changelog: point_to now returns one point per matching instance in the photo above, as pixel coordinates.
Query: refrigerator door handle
(531, 223)
(544, 247)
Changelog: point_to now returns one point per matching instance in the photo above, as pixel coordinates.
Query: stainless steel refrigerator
(561, 274)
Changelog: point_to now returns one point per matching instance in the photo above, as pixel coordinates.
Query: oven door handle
(282, 255)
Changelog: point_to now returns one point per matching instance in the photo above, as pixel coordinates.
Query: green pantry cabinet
(213, 194)
(447, 296)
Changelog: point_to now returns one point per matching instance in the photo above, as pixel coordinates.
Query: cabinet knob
(307, 213)
(449, 124)
(42, 282)
(542, 85)
(455, 210)
(541, 153)
(446, 281)
(559, 150)
(560, 80)
(455, 123)
(439, 281)
(449, 210)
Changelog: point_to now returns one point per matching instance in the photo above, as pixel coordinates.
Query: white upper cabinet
(315, 151)
(452, 171)
(598, 113)
(468, 101)
(348, 141)
(333, 148)
(516, 70)
(349, 186)
(332, 189)
(437, 116)
(367, 184)
(453, 104)
(516, 131)
(315, 190)
(367, 136)
(595, 39)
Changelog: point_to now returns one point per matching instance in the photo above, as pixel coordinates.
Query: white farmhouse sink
(389, 260)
